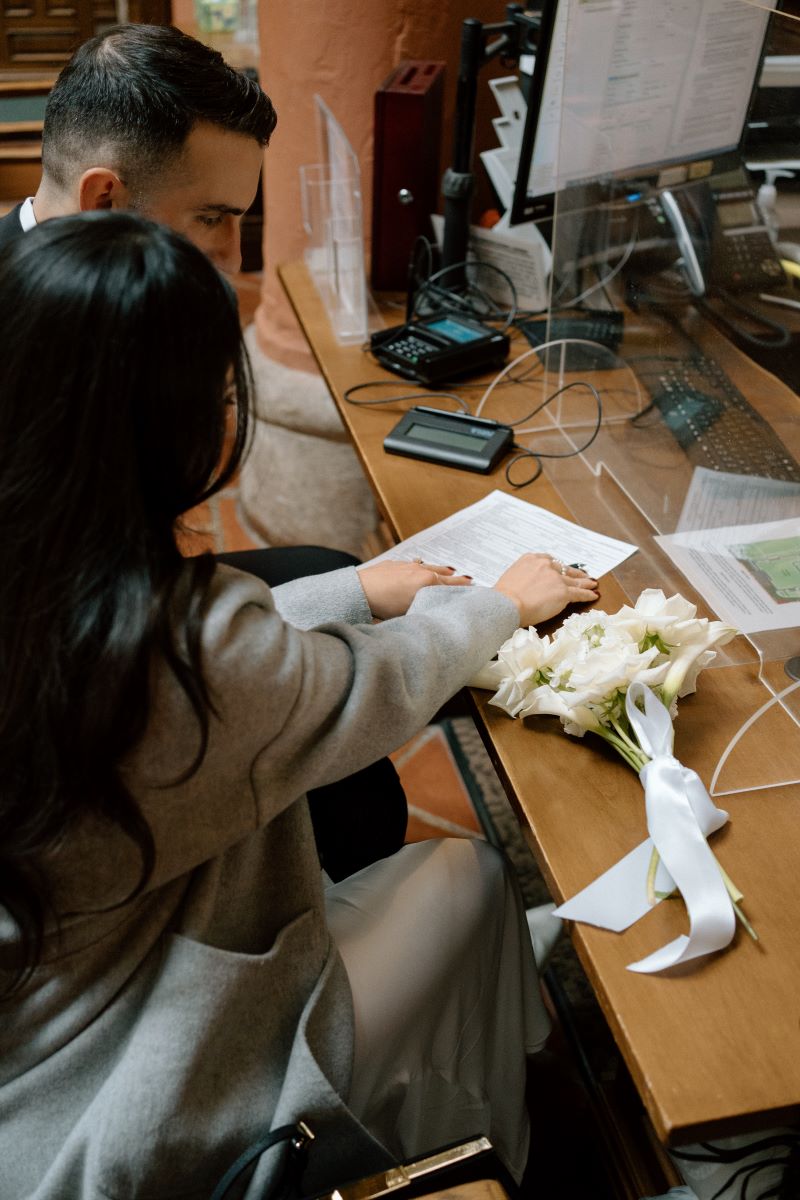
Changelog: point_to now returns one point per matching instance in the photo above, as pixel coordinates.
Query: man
(147, 118)
(144, 117)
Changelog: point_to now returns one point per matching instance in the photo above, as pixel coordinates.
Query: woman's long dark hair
(120, 348)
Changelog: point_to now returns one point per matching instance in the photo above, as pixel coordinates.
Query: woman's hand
(391, 586)
(541, 586)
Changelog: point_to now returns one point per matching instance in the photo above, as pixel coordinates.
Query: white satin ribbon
(680, 816)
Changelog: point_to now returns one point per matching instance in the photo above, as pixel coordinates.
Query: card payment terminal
(439, 348)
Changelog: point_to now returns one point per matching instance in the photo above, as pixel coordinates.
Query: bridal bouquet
(619, 676)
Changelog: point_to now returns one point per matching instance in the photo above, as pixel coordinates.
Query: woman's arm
(358, 594)
(294, 709)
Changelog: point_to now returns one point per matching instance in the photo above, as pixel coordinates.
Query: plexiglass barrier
(333, 220)
(673, 368)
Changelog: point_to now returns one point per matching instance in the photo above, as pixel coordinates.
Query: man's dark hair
(136, 91)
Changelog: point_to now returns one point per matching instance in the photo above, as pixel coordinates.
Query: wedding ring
(562, 569)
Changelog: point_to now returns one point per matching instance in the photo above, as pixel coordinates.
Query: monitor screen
(636, 88)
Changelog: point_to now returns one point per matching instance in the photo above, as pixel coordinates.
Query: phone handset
(689, 261)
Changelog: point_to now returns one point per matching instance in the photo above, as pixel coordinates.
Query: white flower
(583, 673)
(612, 668)
(684, 667)
(673, 622)
(522, 665)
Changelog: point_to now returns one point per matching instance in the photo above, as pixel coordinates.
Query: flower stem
(734, 893)
(633, 758)
(651, 877)
(740, 915)
(636, 750)
(736, 896)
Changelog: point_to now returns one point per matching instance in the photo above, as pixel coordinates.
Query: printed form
(484, 539)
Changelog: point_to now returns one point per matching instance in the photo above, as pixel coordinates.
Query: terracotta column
(342, 50)
(302, 481)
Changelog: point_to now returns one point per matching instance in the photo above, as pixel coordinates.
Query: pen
(578, 566)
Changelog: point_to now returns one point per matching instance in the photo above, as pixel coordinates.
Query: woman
(176, 981)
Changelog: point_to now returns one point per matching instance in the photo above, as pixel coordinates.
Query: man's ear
(99, 187)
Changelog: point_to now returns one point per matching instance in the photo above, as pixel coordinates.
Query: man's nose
(227, 252)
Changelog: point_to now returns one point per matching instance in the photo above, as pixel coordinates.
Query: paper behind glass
(748, 574)
(521, 252)
(485, 538)
(717, 498)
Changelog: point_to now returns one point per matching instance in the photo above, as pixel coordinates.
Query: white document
(749, 574)
(484, 539)
(524, 257)
(718, 498)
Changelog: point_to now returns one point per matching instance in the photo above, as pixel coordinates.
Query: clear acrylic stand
(333, 220)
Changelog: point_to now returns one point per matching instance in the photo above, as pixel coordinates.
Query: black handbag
(297, 1138)
(445, 1168)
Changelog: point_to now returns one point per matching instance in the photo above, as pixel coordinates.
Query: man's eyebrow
(222, 208)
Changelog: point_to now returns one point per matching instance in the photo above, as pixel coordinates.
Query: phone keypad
(751, 258)
(411, 348)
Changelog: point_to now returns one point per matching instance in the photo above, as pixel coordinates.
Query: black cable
(783, 337)
(723, 1154)
(747, 1172)
(348, 394)
(553, 396)
(434, 286)
(538, 455)
(581, 251)
(518, 458)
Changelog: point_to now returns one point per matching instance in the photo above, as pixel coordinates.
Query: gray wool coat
(165, 1032)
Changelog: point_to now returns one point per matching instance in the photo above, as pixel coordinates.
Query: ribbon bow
(680, 816)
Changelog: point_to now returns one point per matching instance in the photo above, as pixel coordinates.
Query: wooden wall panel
(40, 35)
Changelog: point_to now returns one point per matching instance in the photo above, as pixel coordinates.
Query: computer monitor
(636, 93)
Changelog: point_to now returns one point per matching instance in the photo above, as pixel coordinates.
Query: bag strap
(299, 1137)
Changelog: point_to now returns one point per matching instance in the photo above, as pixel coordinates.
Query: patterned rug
(569, 989)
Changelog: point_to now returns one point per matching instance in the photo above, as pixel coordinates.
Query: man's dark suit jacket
(10, 228)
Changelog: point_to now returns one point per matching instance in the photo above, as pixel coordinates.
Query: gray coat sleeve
(317, 705)
(332, 596)
(295, 709)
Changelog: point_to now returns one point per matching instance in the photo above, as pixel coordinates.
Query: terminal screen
(444, 437)
(454, 331)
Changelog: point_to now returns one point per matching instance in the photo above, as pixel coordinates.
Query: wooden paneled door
(38, 36)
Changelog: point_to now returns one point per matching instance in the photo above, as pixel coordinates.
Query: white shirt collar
(27, 218)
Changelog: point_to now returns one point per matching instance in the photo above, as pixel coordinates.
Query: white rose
(522, 664)
(613, 670)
